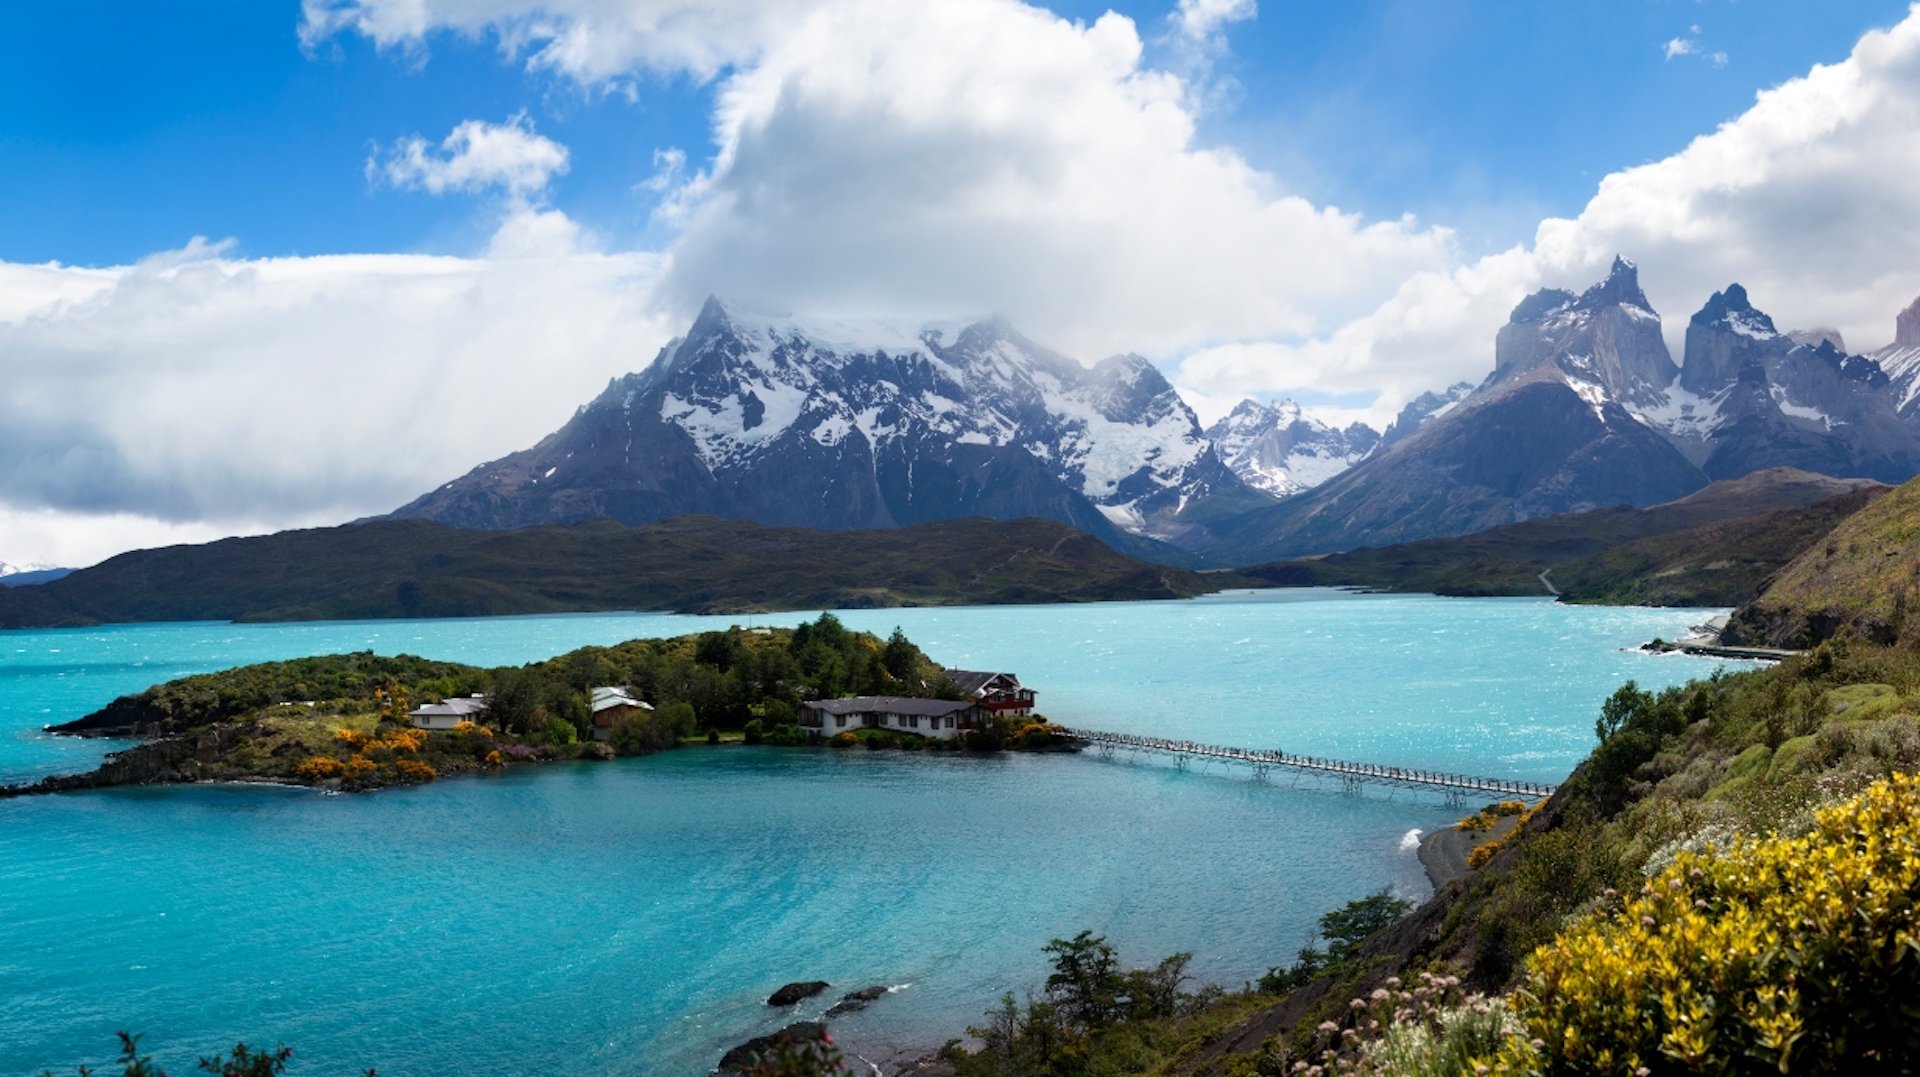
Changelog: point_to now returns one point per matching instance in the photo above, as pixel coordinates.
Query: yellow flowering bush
(359, 768)
(493, 759)
(408, 741)
(351, 738)
(413, 770)
(1784, 954)
(318, 768)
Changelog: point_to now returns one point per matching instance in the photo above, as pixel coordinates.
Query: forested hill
(415, 568)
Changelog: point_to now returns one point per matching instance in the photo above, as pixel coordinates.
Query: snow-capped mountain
(1585, 408)
(1279, 449)
(1422, 410)
(859, 426)
(1604, 343)
(30, 572)
(1751, 397)
(1901, 361)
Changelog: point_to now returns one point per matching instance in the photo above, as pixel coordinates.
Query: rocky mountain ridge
(863, 426)
(829, 425)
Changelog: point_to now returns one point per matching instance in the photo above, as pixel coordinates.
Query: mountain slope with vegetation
(416, 568)
(1713, 547)
(1863, 579)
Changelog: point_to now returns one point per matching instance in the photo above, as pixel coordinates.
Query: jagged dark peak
(1621, 288)
(1733, 309)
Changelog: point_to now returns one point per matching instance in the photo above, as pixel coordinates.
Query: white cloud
(1808, 199)
(592, 41)
(477, 155)
(884, 158)
(197, 394)
(1690, 46)
(876, 158)
(1200, 20)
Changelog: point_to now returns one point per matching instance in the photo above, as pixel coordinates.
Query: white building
(449, 712)
(942, 719)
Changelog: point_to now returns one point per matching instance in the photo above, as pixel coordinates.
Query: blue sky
(407, 223)
(128, 128)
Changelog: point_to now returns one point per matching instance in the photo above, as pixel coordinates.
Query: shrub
(360, 768)
(413, 770)
(1780, 954)
(493, 759)
(844, 740)
(318, 768)
(755, 731)
(351, 738)
(557, 732)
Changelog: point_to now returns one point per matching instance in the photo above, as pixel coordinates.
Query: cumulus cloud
(1807, 199)
(477, 155)
(197, 391)
(983, 154)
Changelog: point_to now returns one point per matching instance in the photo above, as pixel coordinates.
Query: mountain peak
(1906, 327)
(1621, 288)
(1734, 310)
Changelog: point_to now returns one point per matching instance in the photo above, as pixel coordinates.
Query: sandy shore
(1444, 852)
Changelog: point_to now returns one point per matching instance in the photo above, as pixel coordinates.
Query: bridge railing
(1347, 769)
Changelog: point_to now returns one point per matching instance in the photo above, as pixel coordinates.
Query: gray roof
(458, 705)
(890, 705)
(608, 698)
(971, 681)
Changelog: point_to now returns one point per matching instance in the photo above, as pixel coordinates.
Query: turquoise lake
(630, 917)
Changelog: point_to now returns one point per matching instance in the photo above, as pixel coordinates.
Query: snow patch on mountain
(1281, 450)
(1684, 414)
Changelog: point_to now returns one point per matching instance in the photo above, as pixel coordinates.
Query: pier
(1351, 775)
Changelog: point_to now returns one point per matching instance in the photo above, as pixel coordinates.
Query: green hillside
(1715, 547)
(1862, 578)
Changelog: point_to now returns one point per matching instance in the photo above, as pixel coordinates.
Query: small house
(941, 719)
(996, 693)
(610, 705)
(450, 712)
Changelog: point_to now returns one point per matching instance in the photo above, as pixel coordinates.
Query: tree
(900, 655)
(1626, 703)
(1085, 983)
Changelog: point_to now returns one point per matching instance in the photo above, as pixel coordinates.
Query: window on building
(840, 719)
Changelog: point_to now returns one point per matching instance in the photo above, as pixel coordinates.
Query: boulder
(794, 992)
(856, 1000)
(736, 1060)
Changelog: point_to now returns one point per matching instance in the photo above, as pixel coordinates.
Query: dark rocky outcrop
(796, 992)
(853, 1001)
(736, 1060)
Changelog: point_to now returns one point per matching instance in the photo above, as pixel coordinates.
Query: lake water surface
(629, 917)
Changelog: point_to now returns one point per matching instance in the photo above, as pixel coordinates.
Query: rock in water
(794, 992)
(737, 1060)
(856, 1000)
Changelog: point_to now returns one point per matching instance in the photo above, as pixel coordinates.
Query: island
(360, 721)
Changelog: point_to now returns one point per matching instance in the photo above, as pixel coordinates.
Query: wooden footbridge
(1351, 775)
